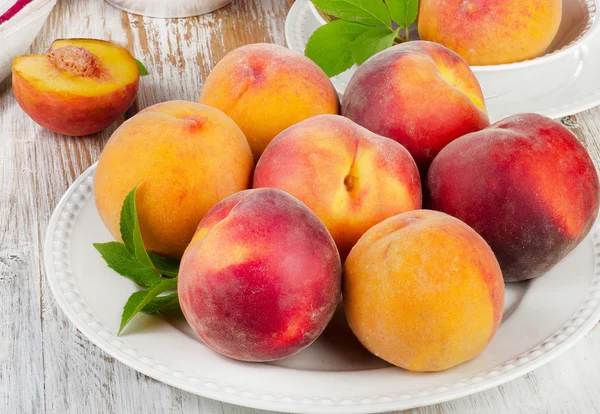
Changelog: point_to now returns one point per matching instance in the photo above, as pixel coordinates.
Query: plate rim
(582, 321)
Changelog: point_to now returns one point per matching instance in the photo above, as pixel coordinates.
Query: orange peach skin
(491, 32)
(261, 278)
(185, 157)
(351, 178)
(71, 103)
(420, 94)
(423, 291)
(266, 88)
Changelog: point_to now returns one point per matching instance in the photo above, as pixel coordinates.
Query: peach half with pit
(79, 87)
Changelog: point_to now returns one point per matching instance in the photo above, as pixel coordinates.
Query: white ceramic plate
(543, 318)
(557, 85)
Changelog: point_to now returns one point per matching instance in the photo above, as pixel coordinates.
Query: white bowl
(561, 63)
(18, 33)
(169, 8)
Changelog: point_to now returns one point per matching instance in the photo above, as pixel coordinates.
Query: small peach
(526, 185)
(262, 277)
(266, 88)
(420, 94)
(491, 32)
(185, 157)
(350, 177)
(423, 291)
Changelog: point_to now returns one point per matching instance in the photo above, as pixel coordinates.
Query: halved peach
(79, 87)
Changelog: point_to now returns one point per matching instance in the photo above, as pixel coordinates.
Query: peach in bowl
(540, 71)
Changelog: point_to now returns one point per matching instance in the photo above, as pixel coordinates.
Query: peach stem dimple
(350, 182)
(75, 60)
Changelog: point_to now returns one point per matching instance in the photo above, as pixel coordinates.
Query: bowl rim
(591, 27)
(130, 7)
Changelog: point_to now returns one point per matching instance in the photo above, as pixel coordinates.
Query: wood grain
(46, 365)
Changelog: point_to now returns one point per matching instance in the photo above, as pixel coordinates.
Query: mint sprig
(130, 259)
(372, 42)
(363, 28)
(367, 12)
(404, 12)
(330, 46)
(124, 263)
(142, 299)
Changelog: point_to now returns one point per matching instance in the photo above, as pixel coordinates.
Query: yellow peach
(185, 157)
(266, 88)
(491, 32)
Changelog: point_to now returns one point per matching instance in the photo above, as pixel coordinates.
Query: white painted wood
(46, 366)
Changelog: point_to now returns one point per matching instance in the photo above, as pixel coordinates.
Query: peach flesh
(79, 87)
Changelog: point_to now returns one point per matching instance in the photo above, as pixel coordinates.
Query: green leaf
(139, 300)
(124, 263)
(141, 68)
(367, 12)
(161, 302)
(127, 220)
(404, 12)
(130, 230)
(330, 46)
(372, 42)
(164, 265)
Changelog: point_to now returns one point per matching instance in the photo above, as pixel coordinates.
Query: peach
(419, 94)
(266, 88)
(185, 158)
(79, 87)
(525, 184)
(351, 178)
(423, 291)
(261, 278)
(491, 32)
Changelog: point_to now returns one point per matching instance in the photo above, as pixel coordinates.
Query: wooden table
(46, 365)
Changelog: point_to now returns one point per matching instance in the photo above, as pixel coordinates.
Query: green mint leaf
(140, 299)
(161, 302)
(404, 12)
(126, 222)
(122, 261)
(130, 230)
(372, 42)
(164, 265)
(141, 68)
(367, 12)
(330, 46)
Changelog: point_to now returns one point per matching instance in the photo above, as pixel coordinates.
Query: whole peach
(261, 278)
(525, 184)
(266, 88)
(184, 157)
(491, 32)
(420, 94)
(423, 291)
(80, 87)
(351, 178)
